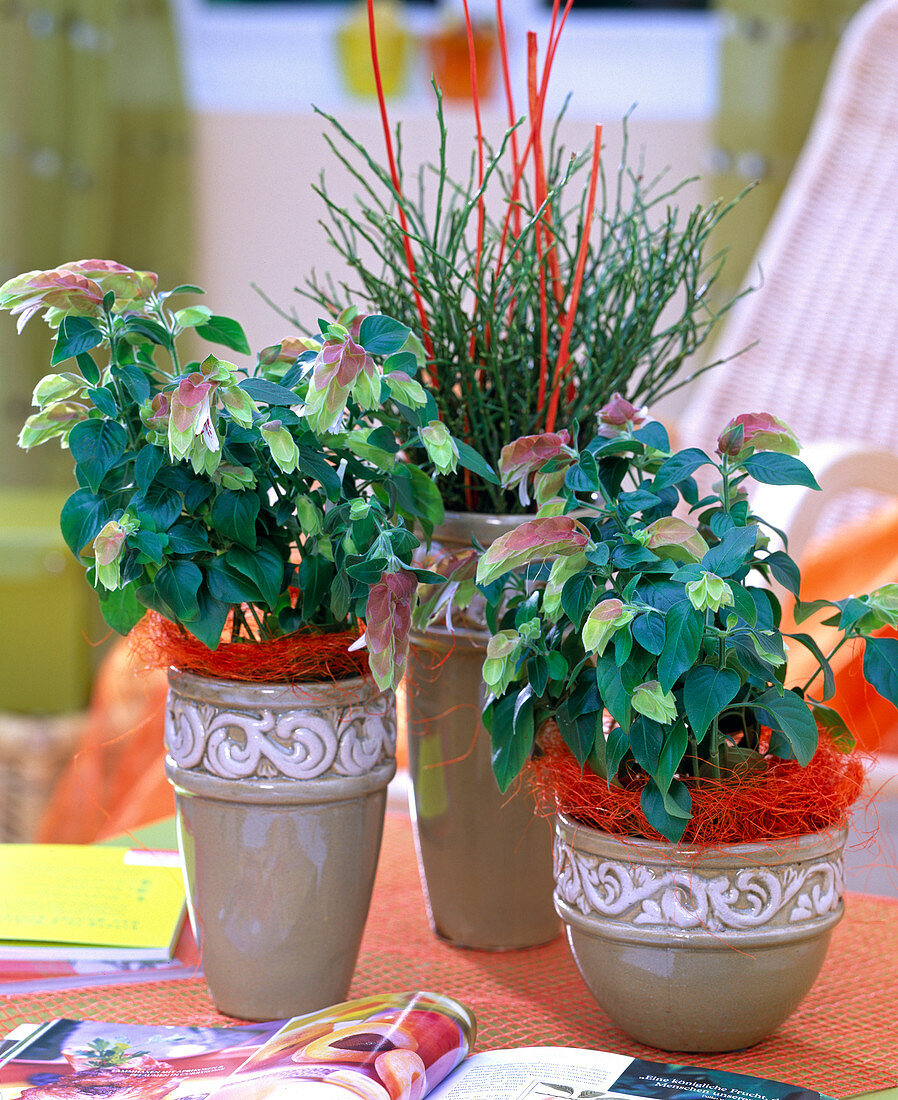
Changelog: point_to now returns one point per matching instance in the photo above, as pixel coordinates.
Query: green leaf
(654, 434)
(316, 575)
(367, 570)
(265, 568)
(82, 518)
(538, 674)
(508, 730)
(679, 466)
(612, 691)
(790, 714)
(89, 369)
(268, 393)
(77, 335)
(213, 615)
(667, 813)
(880, 666)
(581, 732)
(733, 551)
(188, 538)
(743, 604)
(104, 401)
(152, 330)
(804, 609)
(829, 681)
(229, 586)
(340, 595)
(192, 315)
(148, 463)
(234, 516)
(97, 446)
(684, 628)
(401, 360)
(134, 380)
(673, 749)
(380, 335)
(772, 468)
(576, 596)
(149, 543)
(177, 583)
(315, 466)
(706, 691)
(224, 330)
(473, 461)
(616, 748)
(649, 631)
(157, 507)
(784, 570)
(646, 739)
(834, 724)
(185, 288)
(417, 495)
(121, 609)
(583, 476)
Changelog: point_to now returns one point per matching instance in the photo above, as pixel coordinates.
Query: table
(842, 1040)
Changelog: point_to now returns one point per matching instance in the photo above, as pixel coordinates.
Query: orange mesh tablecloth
(843, 1039)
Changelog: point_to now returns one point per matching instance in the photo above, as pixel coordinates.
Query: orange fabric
(855, 559)
(115, 781)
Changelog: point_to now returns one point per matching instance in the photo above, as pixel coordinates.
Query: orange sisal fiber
(303, 657)
(784, 800)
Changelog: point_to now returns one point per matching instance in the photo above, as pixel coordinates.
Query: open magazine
(392, 1047)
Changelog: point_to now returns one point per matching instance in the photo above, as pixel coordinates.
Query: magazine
(391, 1047)
(45, 975)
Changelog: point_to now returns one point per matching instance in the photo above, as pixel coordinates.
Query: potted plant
(540, 287)
(638, 674)
(246, 521)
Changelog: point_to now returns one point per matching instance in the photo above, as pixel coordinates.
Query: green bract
(269, 499)
(666, 625)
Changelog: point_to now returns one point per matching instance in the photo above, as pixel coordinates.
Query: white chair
(821, 331)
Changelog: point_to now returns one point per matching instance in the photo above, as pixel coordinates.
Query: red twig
(481, 213)
(394, 175)
(512, 118)
(563, 351)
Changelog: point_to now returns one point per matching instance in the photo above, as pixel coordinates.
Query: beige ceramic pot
(280, 793)
(485, 859)
(696, 949)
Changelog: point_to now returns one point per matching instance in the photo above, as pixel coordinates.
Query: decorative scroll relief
(734, 900)
(268, 743)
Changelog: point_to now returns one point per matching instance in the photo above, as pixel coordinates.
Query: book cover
(70, 1059)
(70, 901)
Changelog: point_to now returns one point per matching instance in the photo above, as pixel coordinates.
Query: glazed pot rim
(784, 848)
(353, 689)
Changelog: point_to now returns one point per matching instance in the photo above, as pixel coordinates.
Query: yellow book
(74, 901)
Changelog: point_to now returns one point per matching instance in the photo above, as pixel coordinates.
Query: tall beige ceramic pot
(698, 949)
(280, 792)
(485, 859)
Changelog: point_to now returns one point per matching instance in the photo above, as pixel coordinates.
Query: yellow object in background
(774, 58)
(68, 901)
(393, 49)
(47, 608)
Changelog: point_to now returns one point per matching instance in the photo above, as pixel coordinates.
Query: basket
(33, 754)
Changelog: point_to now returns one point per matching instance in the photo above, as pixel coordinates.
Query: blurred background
(179, 136)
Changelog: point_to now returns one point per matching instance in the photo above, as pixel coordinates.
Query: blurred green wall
(95, 162)
(775, 55)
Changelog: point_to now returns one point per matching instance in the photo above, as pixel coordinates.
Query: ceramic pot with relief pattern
(698, 949)
(280, 792)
